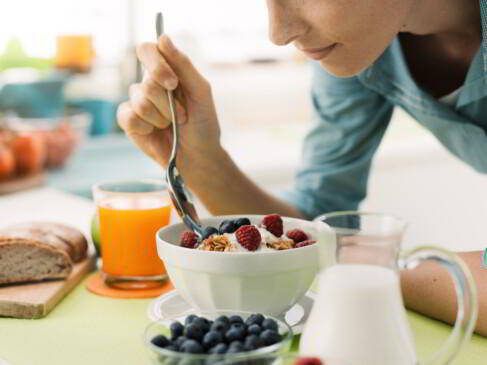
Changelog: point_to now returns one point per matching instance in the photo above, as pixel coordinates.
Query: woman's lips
(320, 53)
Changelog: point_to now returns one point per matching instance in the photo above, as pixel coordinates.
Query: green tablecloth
(88, 329)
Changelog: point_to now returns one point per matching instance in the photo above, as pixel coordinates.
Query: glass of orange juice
(130, 213)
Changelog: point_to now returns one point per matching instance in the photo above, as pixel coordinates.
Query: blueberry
(239, 326)
(203, 323)
(160, 341)
(235, 334)
(192, 347)
(220, 326)
(221, 348)
(235, 347)
(269, 337)
(252, 342)
(269, 324)
(209, 231)
(227, 227)
(242, 222)
(190, 319)
(255, 319)
(254, 329)
(235, 319)
(223, 319)
(172, 348)
(177, 330)
(179, 341)
(212, 339)
(194, 332)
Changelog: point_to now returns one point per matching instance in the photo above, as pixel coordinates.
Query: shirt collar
(483, 19)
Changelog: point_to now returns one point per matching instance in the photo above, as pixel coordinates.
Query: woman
(426, 56)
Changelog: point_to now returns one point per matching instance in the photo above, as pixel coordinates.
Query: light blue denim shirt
(351, 115)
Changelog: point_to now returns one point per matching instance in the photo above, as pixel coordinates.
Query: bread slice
(74, 241)
(27, 260)
(36, 251)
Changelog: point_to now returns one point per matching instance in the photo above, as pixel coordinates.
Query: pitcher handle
(466, 297)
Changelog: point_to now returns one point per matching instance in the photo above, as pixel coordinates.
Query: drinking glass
(130, 213)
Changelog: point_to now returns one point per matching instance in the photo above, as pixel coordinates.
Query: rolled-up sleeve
(349, 122)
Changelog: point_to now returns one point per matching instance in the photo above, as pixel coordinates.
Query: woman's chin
(343, 69)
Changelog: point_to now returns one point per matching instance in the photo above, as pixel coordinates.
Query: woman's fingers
(145, 108)
(157, 95)
(190, 78)
(159, 69)
(130, 122)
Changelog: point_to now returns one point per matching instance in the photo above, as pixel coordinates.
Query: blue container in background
(103, 112)
(43, 98)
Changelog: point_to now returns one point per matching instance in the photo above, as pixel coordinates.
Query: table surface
(89, 329)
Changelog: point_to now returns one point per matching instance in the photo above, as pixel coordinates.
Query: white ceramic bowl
(264, 282)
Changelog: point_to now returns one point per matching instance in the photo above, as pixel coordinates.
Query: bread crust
(58, 235)
(37, 236)
(65, 267)
(39, 250)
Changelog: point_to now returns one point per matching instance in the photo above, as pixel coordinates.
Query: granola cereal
(218, 243)
(282, 244)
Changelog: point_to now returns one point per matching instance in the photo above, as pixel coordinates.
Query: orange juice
(128, 236)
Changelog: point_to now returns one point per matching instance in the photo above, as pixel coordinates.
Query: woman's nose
(284, 24)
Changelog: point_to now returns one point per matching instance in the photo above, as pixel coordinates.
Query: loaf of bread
(36, 251)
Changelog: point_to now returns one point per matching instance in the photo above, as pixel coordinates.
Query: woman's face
(346, 36)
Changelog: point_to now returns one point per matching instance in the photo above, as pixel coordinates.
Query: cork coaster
(96, 285)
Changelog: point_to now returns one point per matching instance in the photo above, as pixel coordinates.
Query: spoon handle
(170, 96)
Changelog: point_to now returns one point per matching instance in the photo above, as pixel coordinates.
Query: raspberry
(189, 239)
(249, 237)
(308, 361)
(304, 243)
(273, 223)
(297, 235)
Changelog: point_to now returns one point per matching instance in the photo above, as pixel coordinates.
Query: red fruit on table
(305, 243)
(308, 361)
(189, 239)
(7, 161)
(273, 223)
(60, 144)
(249, 237)
(297, 235)
(30, 152)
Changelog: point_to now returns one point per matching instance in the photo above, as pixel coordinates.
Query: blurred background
(66, 65)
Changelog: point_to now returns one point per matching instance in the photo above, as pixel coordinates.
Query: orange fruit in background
(60, 143)
(7, 161)
(30, 152)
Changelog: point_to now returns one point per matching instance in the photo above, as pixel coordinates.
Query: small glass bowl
(161, 356)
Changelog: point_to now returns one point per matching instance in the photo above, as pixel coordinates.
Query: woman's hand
(146, 118)
(206, 167)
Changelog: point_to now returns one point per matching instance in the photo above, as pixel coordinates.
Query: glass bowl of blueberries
(207, 338)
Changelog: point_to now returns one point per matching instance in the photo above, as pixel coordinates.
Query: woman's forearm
(429, 290)
(224, 189)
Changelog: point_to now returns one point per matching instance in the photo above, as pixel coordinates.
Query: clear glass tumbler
(130, 213)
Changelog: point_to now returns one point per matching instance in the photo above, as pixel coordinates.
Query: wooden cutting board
(44, 204)
(35, 300)
(20, 183)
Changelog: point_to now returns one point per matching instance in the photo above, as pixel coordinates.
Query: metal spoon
(179, 196)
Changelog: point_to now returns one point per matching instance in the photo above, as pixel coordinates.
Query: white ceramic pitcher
(359, 314)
